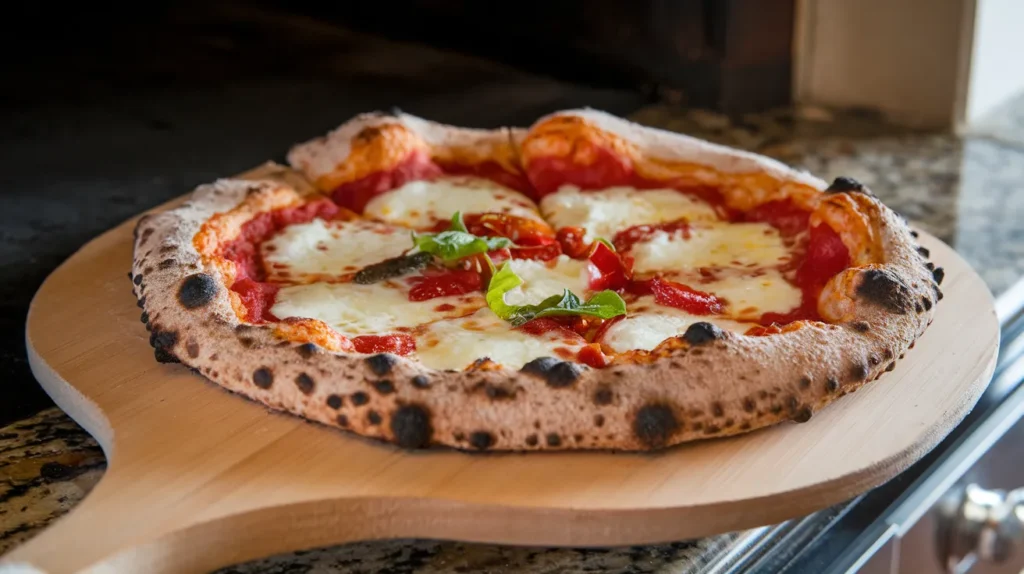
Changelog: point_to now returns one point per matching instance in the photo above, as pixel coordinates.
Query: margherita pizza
(586, 283)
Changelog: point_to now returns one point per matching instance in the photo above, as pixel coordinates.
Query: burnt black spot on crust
(384, 387)
(702, 332)
(421, 382)
(805, 382)
(373, 417)
(890, 367)
(803, 415)
(745, 425)
(841, 184)
(913, 233)
(334, 401)
(342, 421)
(247, 342)
(359, 398)
(553, 440)
(859, 371)
(603, 396)
(861, 326)
(557, 374)
(716, 409)
(481, 440)
(939, 274)
(655, 424)
(883, 288)
(263, 378)
(531, 440)
(192, 348)
(197, 290)
(927, 303)
(923, 251)
(305, 383)
(712, 429)
(144, 317)
(749, 405)
(497, 392)
(162, 343)
(929, 266)
(831, 384)
(307, 350)
(918, 308)
(141, 302)
(599, 420)
(874, 360)
(166, 264)
(381, 364)
(137, 280)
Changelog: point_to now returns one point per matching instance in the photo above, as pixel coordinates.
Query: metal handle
(979, 525)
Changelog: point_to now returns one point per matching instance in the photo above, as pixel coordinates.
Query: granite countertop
(965, 190)
(110, 160)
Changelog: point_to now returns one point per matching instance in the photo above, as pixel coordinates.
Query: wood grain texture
(200, 478)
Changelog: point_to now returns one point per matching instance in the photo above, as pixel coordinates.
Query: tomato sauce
(396, 343)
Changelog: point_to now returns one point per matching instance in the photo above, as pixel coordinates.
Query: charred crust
(381, 364)
(874, 360)
(144, 317)
(263, 378)
(411, 426)
(887, 354)
(929, 266)
(716, 409)
(166, 264)
(553, 440)
(702, 332)
(859, 371)
(831, 384)
(359, 398)
(420, 382)
(532, 440)
(924, 251)
(861, 326)
(197, 290)
(384, 386)
(913, 233)
(939, 274)
(498, 392)
(843, 184)
(927, 303)
(745, 426)
(749, 405)
(599, 420)
(373, 418)
(885, 289)
(557, 374)
(192, 348)
(137, 280)
(305, 383)
(805, 382)
(803, 415)
(162, 343)
(334, 401)
(890, 367)
(918, 308)
(342, 421)
(712, 429)
(603, 396)
(481, 440)
(368, 134)
(655, 424)
(141, 302)
(307, 350)
(792, 403)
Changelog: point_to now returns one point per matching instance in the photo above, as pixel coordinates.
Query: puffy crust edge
(705, 384)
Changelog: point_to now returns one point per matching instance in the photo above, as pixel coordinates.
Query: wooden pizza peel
(200, 478)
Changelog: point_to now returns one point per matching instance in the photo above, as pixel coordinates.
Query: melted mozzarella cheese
(380, 308)
(421, 204)
(543, 279)
(753, 245)
(306, 251)
(749, 297)
(605, 212)
(457, 343)
(650, 324)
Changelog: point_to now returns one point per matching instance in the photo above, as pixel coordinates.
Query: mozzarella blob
(650, 324)
(605, 212)
(542, 279)
(421, 204)
(321, 249)
(750, 245)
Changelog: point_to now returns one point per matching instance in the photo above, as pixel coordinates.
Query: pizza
(586, 283)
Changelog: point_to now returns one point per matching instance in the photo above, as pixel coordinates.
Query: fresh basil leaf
(457, 223)
(457, 242)
(604, 305)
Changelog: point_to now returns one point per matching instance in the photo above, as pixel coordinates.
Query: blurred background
(108, 110)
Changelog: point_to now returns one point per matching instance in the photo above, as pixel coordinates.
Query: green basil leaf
(457, 223)
(502, 282)
(605, 305)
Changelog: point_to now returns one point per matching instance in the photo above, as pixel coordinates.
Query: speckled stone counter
(968, 191)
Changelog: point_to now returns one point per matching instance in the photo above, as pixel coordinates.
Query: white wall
(997, 64)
